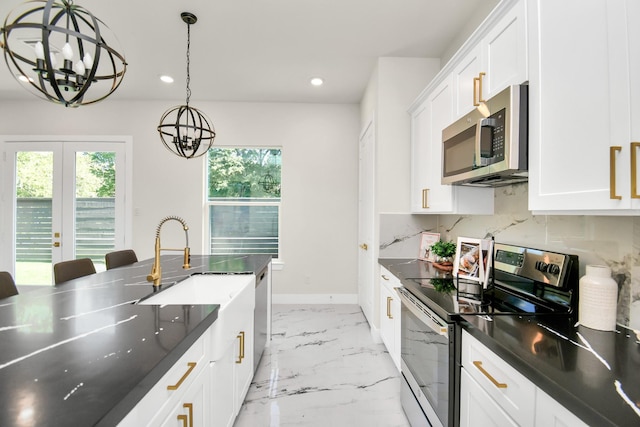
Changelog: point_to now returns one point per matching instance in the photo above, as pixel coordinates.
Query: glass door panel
(34, 213)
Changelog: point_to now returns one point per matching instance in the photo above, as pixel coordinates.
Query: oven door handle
(423, 314)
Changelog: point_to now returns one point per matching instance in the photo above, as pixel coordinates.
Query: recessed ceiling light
(317, 81)
(166, 79)
(24, 78)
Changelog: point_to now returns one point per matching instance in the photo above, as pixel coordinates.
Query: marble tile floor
(323, 369)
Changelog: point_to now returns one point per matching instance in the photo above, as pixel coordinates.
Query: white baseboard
(314, 298)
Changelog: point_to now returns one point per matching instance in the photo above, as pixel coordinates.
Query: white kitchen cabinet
(493, 393)
(501, 383)
(584, 106)
(390, 314)
(477, 408)
(193, 407)
(498, 59)
(466, 76)
(550, 413)
(231, 377)
(428, 195)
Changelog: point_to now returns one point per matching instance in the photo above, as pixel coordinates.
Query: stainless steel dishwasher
(261, 316)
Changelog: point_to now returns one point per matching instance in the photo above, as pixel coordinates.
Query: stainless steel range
(525, 281)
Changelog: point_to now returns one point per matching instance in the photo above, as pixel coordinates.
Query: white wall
(319, 182)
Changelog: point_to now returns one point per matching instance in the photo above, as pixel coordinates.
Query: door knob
(364, 246)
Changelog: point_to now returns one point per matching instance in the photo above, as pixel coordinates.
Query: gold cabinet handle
(241, 347)
(475, 91)
(425, 198)
(364, 246)
(634, 170)
(480, 76)
(384, 277)
(478, 364)
(56, 244)
(389, 299)
(184, 377)
(187, 418)
(612, 172)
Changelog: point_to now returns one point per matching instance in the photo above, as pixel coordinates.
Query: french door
(62, 200)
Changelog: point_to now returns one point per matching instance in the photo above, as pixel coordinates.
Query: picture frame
(473, 259)
(426, 240)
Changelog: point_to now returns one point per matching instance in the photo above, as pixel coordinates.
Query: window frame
(235, 202)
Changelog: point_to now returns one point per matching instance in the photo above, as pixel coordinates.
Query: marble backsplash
(605, 240)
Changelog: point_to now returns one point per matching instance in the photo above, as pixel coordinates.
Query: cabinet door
(419, 158)
(193, 409)
(222, 398)
(477, 408)
(466, 82)
(243, 364)
(579, 106)
(504, 52)
(551, 413)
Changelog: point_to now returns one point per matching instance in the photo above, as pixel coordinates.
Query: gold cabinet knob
(364, 246)
(56, 244)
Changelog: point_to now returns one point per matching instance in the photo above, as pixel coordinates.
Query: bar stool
(120, 258)
(67, 270)
(7, 285)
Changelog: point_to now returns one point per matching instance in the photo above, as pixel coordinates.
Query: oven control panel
(538, 265)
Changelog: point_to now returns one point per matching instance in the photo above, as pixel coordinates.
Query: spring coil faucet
(156, 271)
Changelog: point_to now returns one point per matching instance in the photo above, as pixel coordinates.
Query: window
(243, 200)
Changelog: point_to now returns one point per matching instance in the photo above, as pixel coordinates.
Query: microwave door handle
(484, 141)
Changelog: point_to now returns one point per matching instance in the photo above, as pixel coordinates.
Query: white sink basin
(203, 289)
(235, 293)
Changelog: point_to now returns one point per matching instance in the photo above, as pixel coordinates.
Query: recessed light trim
(166, 79)
(317, 81)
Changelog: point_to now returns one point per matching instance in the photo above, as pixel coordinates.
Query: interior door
(366, 217)
(63, 200)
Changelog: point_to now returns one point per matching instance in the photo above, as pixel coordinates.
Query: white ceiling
(267, 50)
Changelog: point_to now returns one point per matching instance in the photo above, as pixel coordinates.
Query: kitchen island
(83, 353)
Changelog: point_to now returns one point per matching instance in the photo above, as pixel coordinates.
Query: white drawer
(511, 390)
(389, 280)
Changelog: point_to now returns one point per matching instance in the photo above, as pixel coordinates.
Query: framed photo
(426, 240)
(468, 263)
(473, 259)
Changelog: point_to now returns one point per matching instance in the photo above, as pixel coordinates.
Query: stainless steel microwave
(489, 146)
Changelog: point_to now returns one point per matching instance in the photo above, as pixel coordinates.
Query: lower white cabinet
(193, 407)
(477, 408)
(550, 413)
(390, 314)
(493, 393)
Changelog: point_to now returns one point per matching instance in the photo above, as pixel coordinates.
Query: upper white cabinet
(497, 60)
(493, 58)
(584, 105)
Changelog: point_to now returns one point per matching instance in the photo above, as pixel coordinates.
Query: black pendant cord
(188, 63)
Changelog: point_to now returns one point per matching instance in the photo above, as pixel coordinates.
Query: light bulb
(39, 50)
(67, 52)
(79, 68)
(88, 61)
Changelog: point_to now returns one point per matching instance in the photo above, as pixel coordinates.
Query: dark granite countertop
(82, 353)
(594, 374)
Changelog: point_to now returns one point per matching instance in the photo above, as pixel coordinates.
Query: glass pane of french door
(68, 203)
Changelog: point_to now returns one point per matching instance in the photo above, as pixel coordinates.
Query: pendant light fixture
(184, 130)
(59, 51)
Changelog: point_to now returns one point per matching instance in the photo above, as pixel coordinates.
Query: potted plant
(444, 252)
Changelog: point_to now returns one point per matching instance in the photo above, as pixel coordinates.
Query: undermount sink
(235, 293)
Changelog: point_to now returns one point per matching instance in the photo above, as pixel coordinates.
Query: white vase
(598, 299)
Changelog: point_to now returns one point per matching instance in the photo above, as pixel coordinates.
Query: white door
(366, 217)
(61, 200)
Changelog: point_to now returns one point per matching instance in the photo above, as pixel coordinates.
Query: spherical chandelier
(59, 51)
(184, 130)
